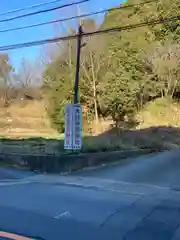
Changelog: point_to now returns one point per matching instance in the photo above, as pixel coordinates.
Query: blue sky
(43, 32)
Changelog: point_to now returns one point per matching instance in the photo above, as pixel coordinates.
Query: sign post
(68, 127)
(73, 127)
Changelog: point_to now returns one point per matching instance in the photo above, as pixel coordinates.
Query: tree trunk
(96, 111)
(174, 88)
(94, 90)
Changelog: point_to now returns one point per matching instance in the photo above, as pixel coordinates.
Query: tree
(30, 73)
(91, 59)
(120, 71)
(126, 50)
(5, 78)
(58, 83)
(5, 68)
(60, 73)
(119, 97)
(165, 64)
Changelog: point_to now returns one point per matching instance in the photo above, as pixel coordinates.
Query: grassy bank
(157, 129)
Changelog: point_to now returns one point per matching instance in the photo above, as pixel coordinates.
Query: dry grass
(25, 119)
(25, 129)
(158, 128)
(161, 112)
(31, 146)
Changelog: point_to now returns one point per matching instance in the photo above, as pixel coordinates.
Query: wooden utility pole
(76, 83)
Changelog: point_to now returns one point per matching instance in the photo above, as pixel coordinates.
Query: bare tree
(30, 73)
(91, 62)
(5, 78)
(165, 63)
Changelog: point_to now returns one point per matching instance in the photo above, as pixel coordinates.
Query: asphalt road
(7, 173)
(158, 169)
(44, 207)
(52, 211)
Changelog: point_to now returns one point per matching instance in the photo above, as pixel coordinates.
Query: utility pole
(77, 108)
(76, 83)
(78, 56)
(73, 138)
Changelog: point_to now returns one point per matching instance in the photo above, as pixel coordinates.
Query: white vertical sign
(77, 126)
(68, 141)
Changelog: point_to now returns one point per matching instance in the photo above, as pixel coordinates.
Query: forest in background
(120, 72)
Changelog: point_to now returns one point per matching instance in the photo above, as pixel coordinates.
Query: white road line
(65, 214)
(8, 183)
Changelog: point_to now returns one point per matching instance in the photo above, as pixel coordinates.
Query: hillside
(25, 119)
(156, 127)
(121, 73)
(160, 112)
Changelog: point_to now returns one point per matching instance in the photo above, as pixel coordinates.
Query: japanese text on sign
(73, 127)
(68, 127)
(77, 126)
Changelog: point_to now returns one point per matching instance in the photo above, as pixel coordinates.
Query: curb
(71, 162)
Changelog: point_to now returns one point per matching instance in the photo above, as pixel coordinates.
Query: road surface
(7, 173)
(161, 169)
(109, 203)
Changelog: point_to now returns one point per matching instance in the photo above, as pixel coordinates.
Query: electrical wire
(76, 17)
(138, 25)
(29, 7)
(98, 32)
(43, 11)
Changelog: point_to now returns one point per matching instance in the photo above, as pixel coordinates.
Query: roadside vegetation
(129, 87)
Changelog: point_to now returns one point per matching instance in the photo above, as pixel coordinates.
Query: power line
(29, 7)
(43, 11)
(138, 25)
(107, 30)
(76, 17)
